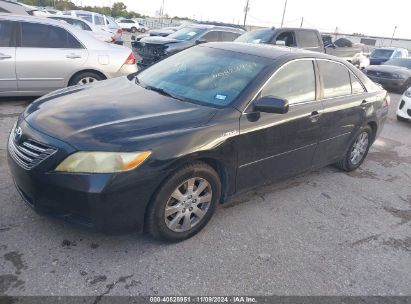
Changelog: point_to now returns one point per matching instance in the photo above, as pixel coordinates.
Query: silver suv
(39, 55)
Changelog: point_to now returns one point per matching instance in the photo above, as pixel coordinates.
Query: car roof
(211, 26)
(267, 50)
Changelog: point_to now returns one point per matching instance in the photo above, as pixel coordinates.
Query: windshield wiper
(164, 92)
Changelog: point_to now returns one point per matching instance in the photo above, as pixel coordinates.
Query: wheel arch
(86, 71)
(374, 127)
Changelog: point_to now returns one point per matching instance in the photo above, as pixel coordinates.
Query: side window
(295, 82)
(397, 54)
(288, 38)
(212, 36)
(308, 39)
(98, 20)
(229, 36)
(86, 17)
(336, 79)
(84, 26)
(35, 35)
(356, 86)
(6, 33)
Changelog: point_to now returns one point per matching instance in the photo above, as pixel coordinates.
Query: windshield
(204, 75)
(405, 63)
(187, 33)
(381, 53)
(258, 36)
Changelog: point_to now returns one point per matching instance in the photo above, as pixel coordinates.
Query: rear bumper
(125, 70)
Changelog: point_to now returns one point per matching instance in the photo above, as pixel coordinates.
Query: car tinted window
(356, 86)
(336, 79)
(294, 82)
(6, 33)
(212, 36)
(46, 36)
(308, 39)
(229, 36)
(98, 20)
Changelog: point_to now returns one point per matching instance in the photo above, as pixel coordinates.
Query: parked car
(381, 55)
(12, 7)
(105, 22)
(45, 55)
(163, 147)
(152, 49)
(394, 74)
(165, 31)
(84, 25)
(129, 25)
(307, 39)
(404, 107)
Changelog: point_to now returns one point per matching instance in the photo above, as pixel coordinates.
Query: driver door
(274, 146)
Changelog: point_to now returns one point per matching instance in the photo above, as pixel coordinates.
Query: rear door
(344, 100)
(8, 80)
(47, 57)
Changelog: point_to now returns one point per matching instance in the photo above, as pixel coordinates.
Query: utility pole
(246, 9)
(302, 21)
(285, 8)
(393, 34)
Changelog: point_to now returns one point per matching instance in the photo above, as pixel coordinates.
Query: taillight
(113, 38)
(120, 31)
(387, 101)
(131, 59)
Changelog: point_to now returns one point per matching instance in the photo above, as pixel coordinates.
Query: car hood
(158, 40)
(388, 69)
(111, 114)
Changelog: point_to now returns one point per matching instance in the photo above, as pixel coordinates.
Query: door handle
(73, 56)
(315, 115)
(4, 56)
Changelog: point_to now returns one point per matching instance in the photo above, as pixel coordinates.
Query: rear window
(381, 53)
(336, 79)
(34, 35)
(6, 33)
(308, 39)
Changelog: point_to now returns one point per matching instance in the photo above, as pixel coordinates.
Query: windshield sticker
(220, 97)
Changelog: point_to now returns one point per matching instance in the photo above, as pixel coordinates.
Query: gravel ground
(323, 233)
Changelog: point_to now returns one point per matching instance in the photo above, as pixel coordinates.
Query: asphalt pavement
(322, 233)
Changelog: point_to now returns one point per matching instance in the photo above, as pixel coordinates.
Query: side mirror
(271, 104)
(280, 42)
(200, 41)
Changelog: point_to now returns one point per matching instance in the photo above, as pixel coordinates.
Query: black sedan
(161, 148)
(394, 74)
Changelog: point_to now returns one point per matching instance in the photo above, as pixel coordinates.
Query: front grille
(402, 103)
(29, 153)
(379, 74)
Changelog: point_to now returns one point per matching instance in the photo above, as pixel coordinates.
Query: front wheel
(358, 150)
(133, 29)
(185, 203)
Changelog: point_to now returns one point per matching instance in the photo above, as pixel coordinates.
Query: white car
(404, 108)
(129, 25)
(40, 55)
(84, 25)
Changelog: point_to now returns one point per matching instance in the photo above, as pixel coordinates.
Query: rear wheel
(185, 203)
(142, 30)
(358, 150)
(133, 29)
(85, 78)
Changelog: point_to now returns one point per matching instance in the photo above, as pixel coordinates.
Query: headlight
(102, 162)
(408, 93)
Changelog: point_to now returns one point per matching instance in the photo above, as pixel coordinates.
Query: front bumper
(388, 82)
(404, 108)
(109, 203)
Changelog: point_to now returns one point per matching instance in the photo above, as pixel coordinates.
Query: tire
(142, 30)
(85, 78)
(133, 29)
(186, 217)
(349, 163)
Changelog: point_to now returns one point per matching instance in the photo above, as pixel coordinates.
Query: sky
(369, 17)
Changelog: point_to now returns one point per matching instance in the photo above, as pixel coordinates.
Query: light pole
(393, 34)
(246, 9)
(285, 8)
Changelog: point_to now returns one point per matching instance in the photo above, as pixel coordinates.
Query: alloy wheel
(359, 148)
(188, 204)
(87, 80)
